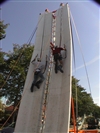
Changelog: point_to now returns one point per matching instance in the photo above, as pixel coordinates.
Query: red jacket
(56, 50)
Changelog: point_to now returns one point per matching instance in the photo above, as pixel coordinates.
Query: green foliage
(96, 111)
(13, 88)
(15, 64)
(84, 100)
(91, 122)
(2, 29)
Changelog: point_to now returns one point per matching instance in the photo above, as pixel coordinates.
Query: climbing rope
(34, 31)
(31, 37)
(46, 92)
(42, 38)
(60, 28)
(65, 53)
(73, 49)
(75, 66)
(24, 91)
(29, 41)
(81, 53)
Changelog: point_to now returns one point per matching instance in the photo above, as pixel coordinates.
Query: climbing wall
(58, 107)
(55, 91)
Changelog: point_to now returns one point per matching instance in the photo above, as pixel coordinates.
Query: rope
(60, 27)
(75, 82)
(10, 116)
(65, 53)
(82, 54)
(23, 93)
(16, 106)
(30, 39)
(61, 34)
(19, 57)
(75, 122)
(73, 46)
(42, 38)
(9, 76)
(11, 72)
(75, 68)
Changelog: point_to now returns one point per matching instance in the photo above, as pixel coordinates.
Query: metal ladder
(60, 26)
(46, 91)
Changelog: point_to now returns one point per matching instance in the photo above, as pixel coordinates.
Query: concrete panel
(58, 108)
(58, 27)
(29, 115)
(47, 35)
(43, 40)
(65, 26)
(40, 25)
(39, 32)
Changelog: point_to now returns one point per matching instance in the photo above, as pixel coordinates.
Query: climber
(56, 51)
(40, 68)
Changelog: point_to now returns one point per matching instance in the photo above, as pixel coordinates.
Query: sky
(22, 15)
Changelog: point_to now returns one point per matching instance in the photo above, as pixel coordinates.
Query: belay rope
(42, 38)
(61, 36)
(65, 52)
(65, 48)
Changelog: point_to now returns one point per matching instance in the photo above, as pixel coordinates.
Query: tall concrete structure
(47, 110)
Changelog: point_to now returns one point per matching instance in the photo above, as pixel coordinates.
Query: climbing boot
(32, 87)
(56, 70)
(60, 68)
(37, 85)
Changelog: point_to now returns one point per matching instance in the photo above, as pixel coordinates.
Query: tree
(2, 66)
(13, 88)
(84, 100)
(96, 111)
(91, 122)
(2, 29)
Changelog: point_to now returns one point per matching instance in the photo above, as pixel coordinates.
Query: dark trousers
(57, 58)
(38, 79)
